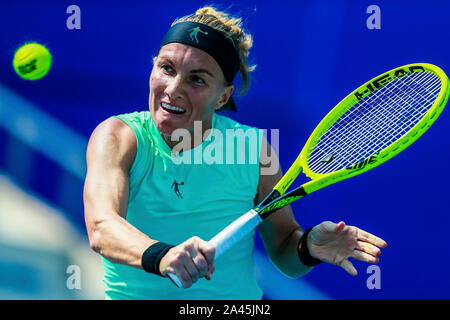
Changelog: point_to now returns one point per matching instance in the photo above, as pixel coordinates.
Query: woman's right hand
(190, 261)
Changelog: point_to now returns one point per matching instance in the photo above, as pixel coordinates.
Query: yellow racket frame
(322, 180)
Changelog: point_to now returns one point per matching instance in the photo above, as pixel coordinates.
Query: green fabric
(210, 196)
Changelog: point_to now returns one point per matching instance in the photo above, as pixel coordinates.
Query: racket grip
(234, 232)
(176, 281)
(228, 237)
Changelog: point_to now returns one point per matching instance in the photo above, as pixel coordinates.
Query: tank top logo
(176, 189)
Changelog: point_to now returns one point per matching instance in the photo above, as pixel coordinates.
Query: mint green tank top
(197, 193)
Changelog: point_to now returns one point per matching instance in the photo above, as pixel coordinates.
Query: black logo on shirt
(176, 189)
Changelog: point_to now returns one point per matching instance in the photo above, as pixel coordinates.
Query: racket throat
(269, 198)
(282, 202)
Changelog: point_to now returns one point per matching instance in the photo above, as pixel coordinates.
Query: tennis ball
(32, 61)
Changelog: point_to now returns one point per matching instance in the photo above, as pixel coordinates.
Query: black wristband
(152, 257)
(303, 251)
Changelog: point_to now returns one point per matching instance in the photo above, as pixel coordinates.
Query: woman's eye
(198, 80)
(167, 68)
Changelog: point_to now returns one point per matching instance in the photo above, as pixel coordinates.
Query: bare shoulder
(270, 170)
(113, 142)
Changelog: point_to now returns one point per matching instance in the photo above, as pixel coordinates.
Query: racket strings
(407, 121)
(375, 122)
(373, 119)
(407, 118)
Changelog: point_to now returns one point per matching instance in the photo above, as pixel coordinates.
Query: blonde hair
(229, 26)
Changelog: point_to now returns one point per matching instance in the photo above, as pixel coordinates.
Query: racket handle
(228, 237)
(234, 232)
(176, 281)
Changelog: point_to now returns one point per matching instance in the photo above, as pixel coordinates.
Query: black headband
(216, 44)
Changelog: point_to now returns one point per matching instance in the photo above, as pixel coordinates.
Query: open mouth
(172, 109)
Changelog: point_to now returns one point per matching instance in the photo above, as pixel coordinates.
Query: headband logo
(194, 32)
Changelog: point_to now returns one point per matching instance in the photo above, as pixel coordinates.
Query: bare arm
(110, 154)
(329, 242)
(280, 232)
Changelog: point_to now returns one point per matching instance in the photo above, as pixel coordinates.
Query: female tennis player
(148, 215)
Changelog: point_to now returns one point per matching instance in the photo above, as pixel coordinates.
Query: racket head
(287, 179)
(374, 123)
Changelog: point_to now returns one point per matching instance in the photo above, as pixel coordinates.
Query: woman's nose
(174, 87)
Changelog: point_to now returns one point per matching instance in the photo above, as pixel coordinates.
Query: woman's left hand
(335, 243)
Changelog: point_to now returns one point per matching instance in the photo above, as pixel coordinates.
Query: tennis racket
(371, 125)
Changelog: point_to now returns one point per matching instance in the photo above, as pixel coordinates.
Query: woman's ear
(225, 97)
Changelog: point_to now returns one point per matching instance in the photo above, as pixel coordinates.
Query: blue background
(309, 55)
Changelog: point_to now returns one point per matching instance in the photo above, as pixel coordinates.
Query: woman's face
(186, 85)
